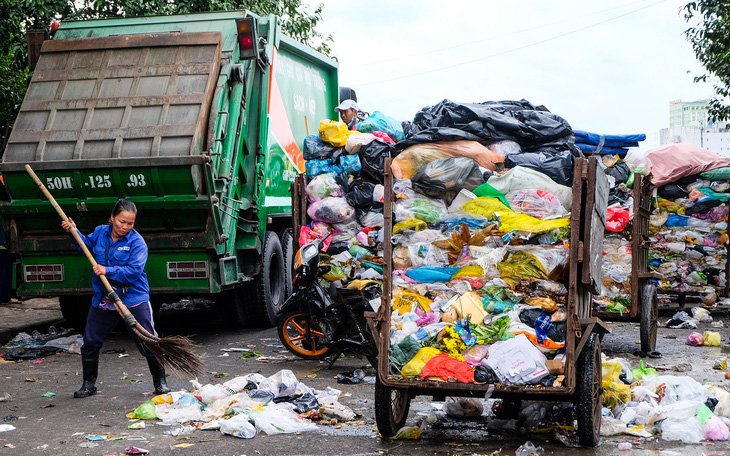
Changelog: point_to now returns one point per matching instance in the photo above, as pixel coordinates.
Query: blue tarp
(616, 141)
(590, 149)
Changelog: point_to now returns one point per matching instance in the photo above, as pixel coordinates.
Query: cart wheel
(648, 315)
(589, 392)
(391, 408)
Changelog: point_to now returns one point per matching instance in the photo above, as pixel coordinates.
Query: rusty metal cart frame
(584, 332)
(643, 294)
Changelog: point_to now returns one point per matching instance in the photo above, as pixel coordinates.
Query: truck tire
(75, 310)
(287, 248)
(267, 293)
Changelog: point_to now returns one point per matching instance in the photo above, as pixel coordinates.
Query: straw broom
(173, 352)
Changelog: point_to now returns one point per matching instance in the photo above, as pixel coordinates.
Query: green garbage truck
(199, 120)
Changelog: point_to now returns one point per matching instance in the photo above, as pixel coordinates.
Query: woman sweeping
(121, 254)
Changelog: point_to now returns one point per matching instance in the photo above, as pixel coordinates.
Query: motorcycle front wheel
(305, 342)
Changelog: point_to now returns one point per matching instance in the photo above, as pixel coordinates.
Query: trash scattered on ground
(95, 437)
(245, 405)
(674, 407)
(6, 427)
(48, 394)
(130, 450)
(5, 397)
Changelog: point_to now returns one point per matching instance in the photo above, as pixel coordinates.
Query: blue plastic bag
(379, 121)
(676, 220)
(350, 164)
(316, 167)
(315, 148)
(431, 274)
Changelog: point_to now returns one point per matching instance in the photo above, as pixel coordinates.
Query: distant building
(688, 113)
(688, 122)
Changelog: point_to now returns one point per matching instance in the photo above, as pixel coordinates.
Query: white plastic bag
(282, 383)
(280, 419)
(688, 430)
(463, 407)
(238, 426)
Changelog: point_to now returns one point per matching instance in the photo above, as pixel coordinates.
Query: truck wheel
(75, 310)
(264, 300)
(287, 248)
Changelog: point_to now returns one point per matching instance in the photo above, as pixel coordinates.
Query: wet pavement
(59, 424)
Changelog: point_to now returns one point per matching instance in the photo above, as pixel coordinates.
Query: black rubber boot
(158, 376)
(90, 368)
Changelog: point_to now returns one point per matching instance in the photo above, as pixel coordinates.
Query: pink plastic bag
(716, 430)
(695, 339)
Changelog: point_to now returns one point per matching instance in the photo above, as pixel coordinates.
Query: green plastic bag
(641, 371)
(488, 191)
(146, 411)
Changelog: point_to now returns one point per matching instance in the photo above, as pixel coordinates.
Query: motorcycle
(315, 323)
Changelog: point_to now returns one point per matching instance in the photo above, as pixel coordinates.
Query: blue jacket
(124, 261)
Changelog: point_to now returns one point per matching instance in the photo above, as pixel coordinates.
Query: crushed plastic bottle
(528, 449)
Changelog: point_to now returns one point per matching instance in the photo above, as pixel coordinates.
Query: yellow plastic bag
(469, 305)
(469, 271)
(403, 302)
(611, 370)
(615, 393)
(162, 399)
(334, 132)
(511, 220)
(415, 365)
(410, 224)
(712, 338)
(670, 206)
(521, 266)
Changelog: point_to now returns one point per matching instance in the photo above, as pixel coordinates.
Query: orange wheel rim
(295, 336)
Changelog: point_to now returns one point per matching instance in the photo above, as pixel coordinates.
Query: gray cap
(347, 104)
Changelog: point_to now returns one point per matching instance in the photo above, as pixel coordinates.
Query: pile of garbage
(245, 405)
(345, 192)
(689, 221)
(641, 402)
(480, 256)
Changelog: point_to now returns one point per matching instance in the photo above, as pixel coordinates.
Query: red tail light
(247, 48)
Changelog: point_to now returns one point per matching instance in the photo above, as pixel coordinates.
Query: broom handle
(121, 308)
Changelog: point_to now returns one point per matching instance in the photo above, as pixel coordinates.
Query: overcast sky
(609, 67)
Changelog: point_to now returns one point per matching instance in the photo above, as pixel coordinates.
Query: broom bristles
(176, 354)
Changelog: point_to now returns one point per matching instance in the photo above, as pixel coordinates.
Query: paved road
(59, 424)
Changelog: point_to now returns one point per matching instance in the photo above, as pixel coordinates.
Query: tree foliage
(709, 35)
(298, 20)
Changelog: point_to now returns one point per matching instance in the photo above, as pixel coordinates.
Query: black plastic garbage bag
(557, 333)
(351, 377)
(314, 148)
(444, 178)
(702, 207)
(360, 193)
(260, 395)
(620, 171)
(484, 374)
(305, 403)
(372, 158)
(558, 167)
(534, 128)
(672, 192)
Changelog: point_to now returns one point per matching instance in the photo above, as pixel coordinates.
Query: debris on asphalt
(6, 427)
(677, 408)
(245, 405)
(351, 377)
(48, 394)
